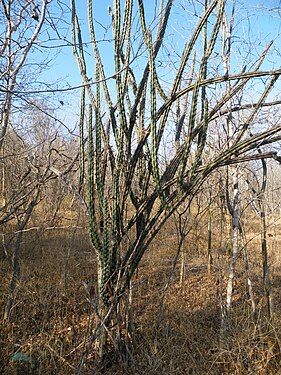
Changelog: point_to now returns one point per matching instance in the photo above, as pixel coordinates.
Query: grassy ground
(176, 332)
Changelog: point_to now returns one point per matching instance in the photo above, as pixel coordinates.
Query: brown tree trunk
(209, 250)
(15, 256)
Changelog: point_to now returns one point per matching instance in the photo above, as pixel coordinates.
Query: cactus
(131, 193)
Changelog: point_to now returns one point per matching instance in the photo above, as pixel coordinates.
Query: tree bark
(209, 250)
(15, 257)
(235, 241)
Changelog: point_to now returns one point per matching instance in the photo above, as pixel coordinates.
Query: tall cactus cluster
(130, 191)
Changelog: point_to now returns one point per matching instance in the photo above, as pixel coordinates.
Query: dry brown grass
(181, 336)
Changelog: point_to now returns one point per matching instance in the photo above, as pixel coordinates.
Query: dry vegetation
(177, 329)
(178, 120)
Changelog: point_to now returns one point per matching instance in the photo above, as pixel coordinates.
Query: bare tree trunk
(265, 263)
(249, 280)
(15, 257)
(182, 266)
(3, 197)
(235, 240)
(6, 108)
(15, 276)
(182, 233)
(233, 209)
(209, 250)
(233, 206)
(261, 211)
(5, 251)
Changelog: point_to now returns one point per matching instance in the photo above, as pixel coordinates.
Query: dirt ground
(176, 325)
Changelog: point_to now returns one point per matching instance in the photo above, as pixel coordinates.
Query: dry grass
(176, 334)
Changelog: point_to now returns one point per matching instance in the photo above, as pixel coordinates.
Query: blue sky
(258, 21)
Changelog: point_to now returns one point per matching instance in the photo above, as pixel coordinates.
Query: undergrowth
(175, 332)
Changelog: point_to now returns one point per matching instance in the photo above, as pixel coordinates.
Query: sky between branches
(258, 22)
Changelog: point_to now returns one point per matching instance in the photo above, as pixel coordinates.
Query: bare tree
(26, 163)
(18, 20)
(28, 167)
(258, 189)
